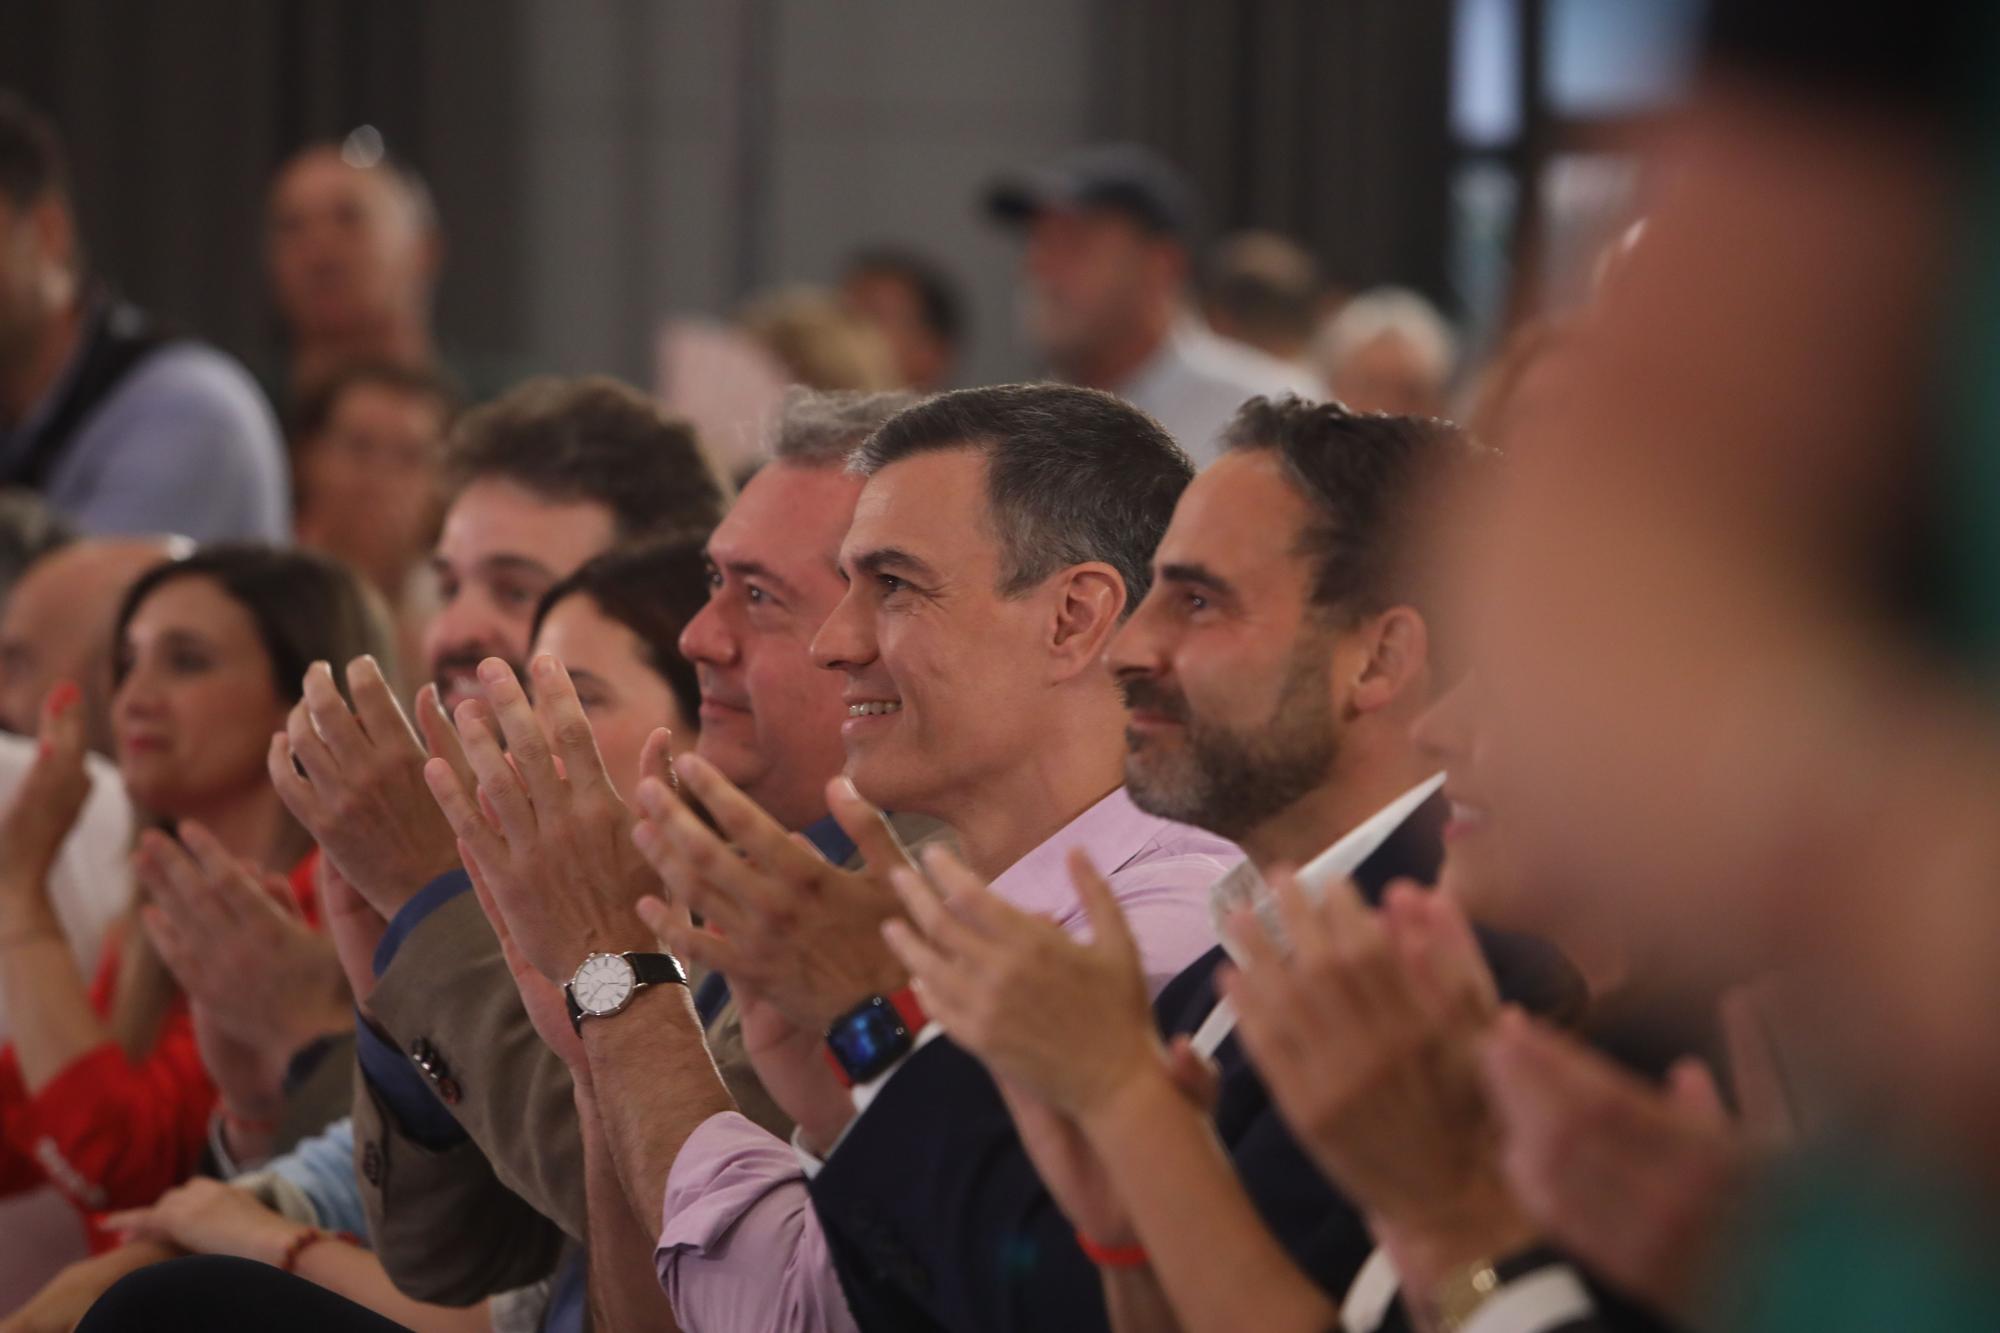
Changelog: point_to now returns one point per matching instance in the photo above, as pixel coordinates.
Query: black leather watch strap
(657, 969)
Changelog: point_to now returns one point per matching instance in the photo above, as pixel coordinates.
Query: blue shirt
(183, 443)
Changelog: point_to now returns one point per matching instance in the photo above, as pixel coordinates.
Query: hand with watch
(605, 983)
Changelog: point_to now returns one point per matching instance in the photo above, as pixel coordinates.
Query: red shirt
(108, 1131)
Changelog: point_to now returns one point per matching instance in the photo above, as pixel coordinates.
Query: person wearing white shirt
(1105, 276)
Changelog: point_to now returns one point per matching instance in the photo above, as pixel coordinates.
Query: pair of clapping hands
(1379, 1037)
(565, 867)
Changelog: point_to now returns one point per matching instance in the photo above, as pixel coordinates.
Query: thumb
(1194, 1074)
(1691, 1088)
(656, 760)
(881, 851)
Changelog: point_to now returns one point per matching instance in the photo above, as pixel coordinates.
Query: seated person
(103, 1091)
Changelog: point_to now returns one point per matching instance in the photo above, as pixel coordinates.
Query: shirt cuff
(412, 913)
(1543, 1301)
(420, 1116)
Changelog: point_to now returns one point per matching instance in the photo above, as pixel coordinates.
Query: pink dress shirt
(740, 1246)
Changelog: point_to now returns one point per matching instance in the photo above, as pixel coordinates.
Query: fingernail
(493, 671)
(64, 697)
(847, 787)
(545, 667)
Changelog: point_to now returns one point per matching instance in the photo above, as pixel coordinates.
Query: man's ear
(55, 237)
(1090, 599)
(1398, 659)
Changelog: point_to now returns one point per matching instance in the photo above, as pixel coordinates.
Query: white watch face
(603, 984)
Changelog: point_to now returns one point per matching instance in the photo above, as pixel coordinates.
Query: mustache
(1144, 694)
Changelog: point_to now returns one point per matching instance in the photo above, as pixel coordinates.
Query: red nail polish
(64, 697)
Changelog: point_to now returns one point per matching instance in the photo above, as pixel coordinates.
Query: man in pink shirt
(1000, 539)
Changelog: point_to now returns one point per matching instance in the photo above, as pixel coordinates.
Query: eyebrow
(513, 564)
(887, 559)
(753, 569)
(1196, 573)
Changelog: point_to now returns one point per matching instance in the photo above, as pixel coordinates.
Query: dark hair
(1071, 475)
(1266, 282)
(31, 153)
(938, 298)
(653, 588)
(307, 608)
(1371, 479)
(591, 438)
(316, 409)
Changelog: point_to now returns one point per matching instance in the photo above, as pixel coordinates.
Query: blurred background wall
(600, 164)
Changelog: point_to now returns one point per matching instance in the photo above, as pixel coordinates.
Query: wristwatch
(606, 982)
(1458, 1297)
(873, 1035)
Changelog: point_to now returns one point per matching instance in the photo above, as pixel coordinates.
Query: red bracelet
(1112, 1256)
(308, 1238)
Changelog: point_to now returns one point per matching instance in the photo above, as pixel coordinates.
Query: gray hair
(1072, 475)
(1390, 312)
(823, 429)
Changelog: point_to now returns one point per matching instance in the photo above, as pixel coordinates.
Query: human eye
(514, 596)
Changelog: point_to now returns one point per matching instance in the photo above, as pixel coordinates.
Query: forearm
(353, 1272)
(624, 1289)
(1217, 1261)
(655, 1084)
(46, 998)
(1137, 1303)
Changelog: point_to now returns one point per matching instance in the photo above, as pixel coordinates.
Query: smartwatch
(863, 1042)
(605, 983)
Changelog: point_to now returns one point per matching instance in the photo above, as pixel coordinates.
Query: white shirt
(1244, 887)
(92, 881)
(1196, 381)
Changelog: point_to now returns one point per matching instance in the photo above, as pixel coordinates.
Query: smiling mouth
(875, 708)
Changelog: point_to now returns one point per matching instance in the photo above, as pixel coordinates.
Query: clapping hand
(236, 943)
(1364, 1033)
(355, 780)
(779, 921)
(1063, 1020)
(45, 809)
(544, 833)
(1634, 1179)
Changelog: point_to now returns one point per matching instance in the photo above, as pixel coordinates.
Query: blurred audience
(1264, 290)
(57, 625)
(124, 425)
(353, 247)
(1105, 276)
(29, 530)
(368, 481)
(915, 305)
(1362, 884)
(820, 343)
(1388, 350)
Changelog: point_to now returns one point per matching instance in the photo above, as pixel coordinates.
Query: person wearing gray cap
(1109, 233)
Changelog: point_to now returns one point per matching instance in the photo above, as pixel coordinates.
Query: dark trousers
(211, 1292)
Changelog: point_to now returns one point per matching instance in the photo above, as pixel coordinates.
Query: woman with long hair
(103, 1091)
